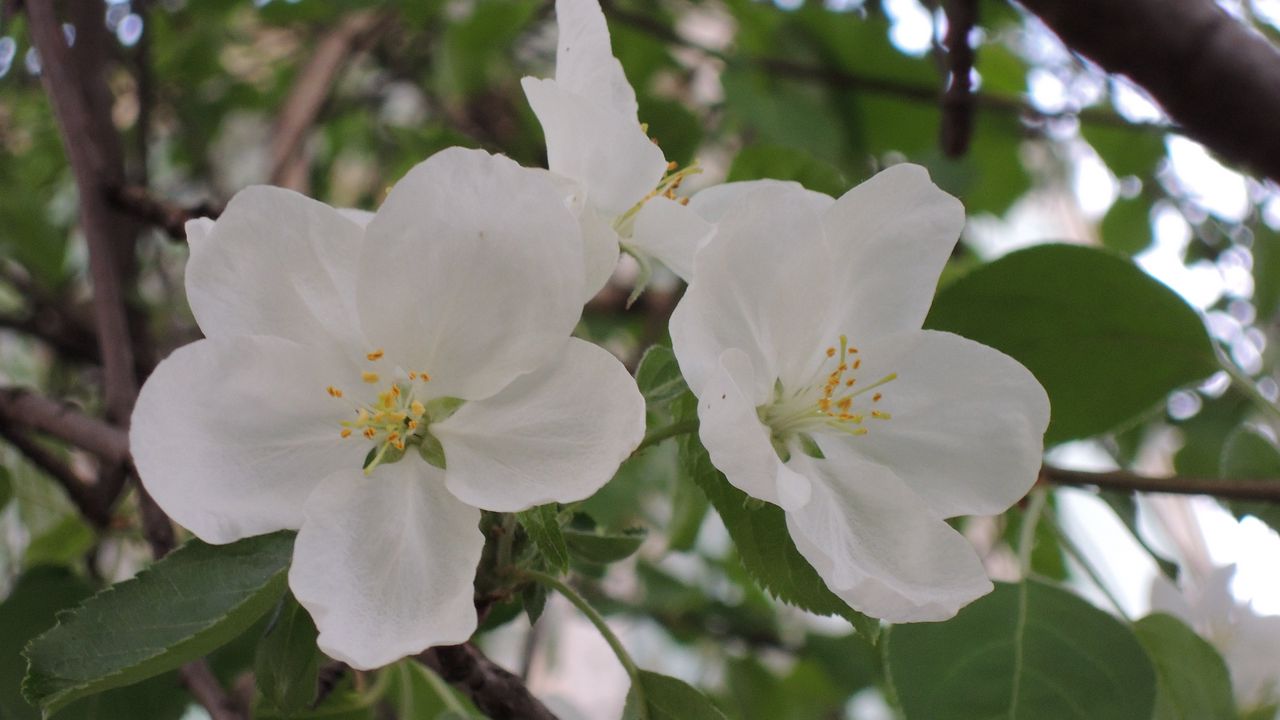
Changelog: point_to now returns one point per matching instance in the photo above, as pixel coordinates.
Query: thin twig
(206, 689)
(169, 217)
(957, 97)
(81, 493)
(64, 422)
(1260, 489)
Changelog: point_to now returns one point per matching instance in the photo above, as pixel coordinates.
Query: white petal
(359, 217)
(276, 263)
(967, 422)
(555, 435)
(892, 235)
(231, 434)
(585, 64)
(878, 547)
(603, 149)
(670, 232)
(713, 203)
(600, 250)
(472, 272)
(763, 284)
(197, 231)
(738, 442)
(385, 564)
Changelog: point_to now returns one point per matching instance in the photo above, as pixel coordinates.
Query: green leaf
(1192, 681)
(1126, 227)
(542, 523)
(1249, 455)
(287, 665)
(784, 163)
(1028, 651)
(1126, 150)
(667, 698)
(1107, 341)
(688, 511)
(420, 693)
(534, 600)
(63, 544)
(759, 531)
(603, 547)
(658, 376)
(192, 601)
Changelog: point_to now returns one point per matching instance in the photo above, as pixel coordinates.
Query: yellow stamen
(346, 432)
(375, 355)
(333, 391)
(369, 377)
(369, 433)
(417, 409)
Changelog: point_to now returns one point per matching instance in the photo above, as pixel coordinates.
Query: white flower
(615, 178)
(440, 330)
(1247, 641)
(818, 390)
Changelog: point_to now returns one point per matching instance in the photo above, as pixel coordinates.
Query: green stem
(1027, 533)
(596, 619)
(1245, 384)
(663, 433)
(505, 540)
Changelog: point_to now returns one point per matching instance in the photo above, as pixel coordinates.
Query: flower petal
(197, 231)
(605, 150)
(891, 235)
(763, 284)
(670, 232)
(385, 564)
(738, 442)
(585, 64)
(276, 263)
(231, 434)
(600, 250)
(713, 203)
(555, 435)
(473, 272)
(967, 422)
(877, 545)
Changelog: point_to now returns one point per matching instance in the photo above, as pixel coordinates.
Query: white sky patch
(1209, 184)
(1134, 104)
(1094, 186)
(911, 30)
(1047, 91)
(1199, 283)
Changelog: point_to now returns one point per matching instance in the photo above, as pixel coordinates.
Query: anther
(369, 377)
(876, 397)
(369, 433)
(831, 352)
(375, 355)
(417, 409)
(672, 165)
(333, 391)
(346, 433)
(880, 415)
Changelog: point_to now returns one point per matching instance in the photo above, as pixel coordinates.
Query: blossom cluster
(376, 380)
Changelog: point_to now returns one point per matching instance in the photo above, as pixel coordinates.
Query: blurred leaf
(1029, 651)
(1126, 227)
(599, 546)
(63, 544)
(1266, 272)
(1249, 455)
(193, 600)
(474, 49)
(677, 131)
(803, 692)
(1126, 150)
(287, 666)
(1192, 682)
(782, 113)
(668, 699)
(783, 163)
(420, 693)
(759, 531)
(542, 523)
(658, 376)
(6, 487)
(1107, 341)
(689, 506)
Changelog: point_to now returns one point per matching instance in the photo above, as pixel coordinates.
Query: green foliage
(783, 163)
(287, 665)
(542, 523)
(666, 698)
(1106, 340)
(1126, 227)
(194, 600)
(759, 532)
(1127, 151)
(62, 544)
(417, 692)
(658, 376)
(1029, 651)
(596, 545)
(1192, 682)
(6, 487)
(1248, 455)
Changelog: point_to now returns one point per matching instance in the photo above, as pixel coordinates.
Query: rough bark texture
(1216, 78)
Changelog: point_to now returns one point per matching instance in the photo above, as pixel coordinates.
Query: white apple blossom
(818, 390)
(614, 177)
(1246, 640)
(374, 381)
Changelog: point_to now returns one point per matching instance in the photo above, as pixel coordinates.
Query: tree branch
(1259, 489)
(81, 103)
(496, 692)
(957, 97)
(1215, 77)
(23, 408)
(206, 689)
(172, 219)
(310, 90)
(91, 503)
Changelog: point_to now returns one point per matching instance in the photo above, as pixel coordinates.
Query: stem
(1027, 533)
(664, 433)
(614, 643)
(505, 540)
(1245, 384)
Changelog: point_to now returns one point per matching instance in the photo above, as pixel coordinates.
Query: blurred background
(338, 99)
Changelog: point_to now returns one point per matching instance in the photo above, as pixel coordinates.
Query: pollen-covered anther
(369, 377)
(375, 355)
(346, 433)
(333, 391)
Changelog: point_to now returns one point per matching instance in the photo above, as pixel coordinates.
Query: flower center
(666, 188)
(396, 417)
(830, 403)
